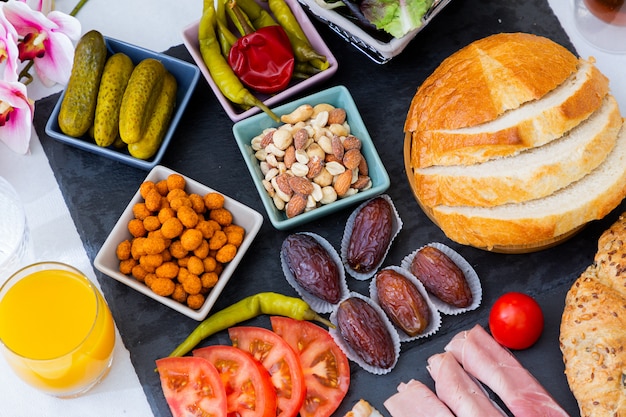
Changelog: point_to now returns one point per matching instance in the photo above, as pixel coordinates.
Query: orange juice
(57, 331)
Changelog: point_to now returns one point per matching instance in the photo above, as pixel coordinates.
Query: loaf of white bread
(515, 141)
(592, 334)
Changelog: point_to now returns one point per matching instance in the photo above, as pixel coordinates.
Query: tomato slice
(280, 360)
(325, 366)
(192, 387)
(249, 389)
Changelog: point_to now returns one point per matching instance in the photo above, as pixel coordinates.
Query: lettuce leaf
(396, 17)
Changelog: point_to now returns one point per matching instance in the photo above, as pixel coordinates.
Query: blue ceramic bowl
(339, 96)
(186, 75)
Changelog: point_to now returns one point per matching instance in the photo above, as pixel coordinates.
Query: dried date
(364, 330)
(441, 277)
(312, 267)
(402, 302)
(371, 235)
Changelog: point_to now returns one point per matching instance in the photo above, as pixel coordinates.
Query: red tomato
(192, 386)
(326, 367)
(249, 389)
(280, 360)
(516, 320)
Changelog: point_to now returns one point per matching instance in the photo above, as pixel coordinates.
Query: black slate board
(97, 190)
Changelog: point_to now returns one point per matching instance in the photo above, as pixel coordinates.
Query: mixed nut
(311, 160)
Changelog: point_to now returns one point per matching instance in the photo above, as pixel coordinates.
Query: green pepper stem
(240, 20)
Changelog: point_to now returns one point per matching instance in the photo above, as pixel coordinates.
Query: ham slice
(458, 390)
(414, 399)
(497, 368)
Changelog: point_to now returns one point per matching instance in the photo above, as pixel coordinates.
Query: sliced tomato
(192, 387)
(325, 366)
(249, 389)
(280, 360)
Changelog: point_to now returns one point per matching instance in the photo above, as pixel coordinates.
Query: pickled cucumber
(159, 122)
(139, 100)
(117, 71)
(78, 107)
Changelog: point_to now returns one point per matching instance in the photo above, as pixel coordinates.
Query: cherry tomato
(249, 389)
(280, 360)
(516, 320)
(326, 367)
(192, 386)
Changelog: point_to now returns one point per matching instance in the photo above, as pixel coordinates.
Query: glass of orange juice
(56, 330)
(602, 23)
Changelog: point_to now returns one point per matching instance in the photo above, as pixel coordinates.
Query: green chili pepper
(226, 38)
(221, 73)
(262, 303)
(257, 14)
(302, 48)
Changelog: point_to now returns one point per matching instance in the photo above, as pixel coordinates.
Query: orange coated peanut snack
(179, 241)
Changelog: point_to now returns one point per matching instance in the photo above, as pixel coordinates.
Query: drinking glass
(14, 232)
(602, 23)
(56, 331)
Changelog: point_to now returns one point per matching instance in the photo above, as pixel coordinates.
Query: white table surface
(157, 25)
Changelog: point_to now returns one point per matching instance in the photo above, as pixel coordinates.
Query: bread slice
(533, 124)
(592, 337)
(535, 221)
(532, 174)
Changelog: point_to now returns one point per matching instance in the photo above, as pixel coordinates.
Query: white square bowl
(106, 260)
(190, 39)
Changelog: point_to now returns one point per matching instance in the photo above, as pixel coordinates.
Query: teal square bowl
(339, 96)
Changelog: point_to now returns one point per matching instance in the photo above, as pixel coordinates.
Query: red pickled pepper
(262, 59)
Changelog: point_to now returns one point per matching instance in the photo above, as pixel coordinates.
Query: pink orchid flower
(43, 6)
(8, 49)
(46, 39)
(16, 116)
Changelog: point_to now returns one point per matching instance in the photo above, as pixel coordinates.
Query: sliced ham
(458, 390)
(414, 399)
(497, 368)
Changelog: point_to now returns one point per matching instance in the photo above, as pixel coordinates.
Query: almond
(315, 167)
(282, 181)
(363, 168)
(336, 116)
(362, 182)
(300, 138)
(352, 158)
(342, 183)
(301, 185)
(351, 142)
(267, 138)
(337, 146)
(290, 156)
(295, 206)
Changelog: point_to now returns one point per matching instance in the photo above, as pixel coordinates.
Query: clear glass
(56, 330)
(14, 233)
(602, 23)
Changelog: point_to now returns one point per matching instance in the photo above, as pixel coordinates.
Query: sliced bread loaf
(529, 175)
(587, 199)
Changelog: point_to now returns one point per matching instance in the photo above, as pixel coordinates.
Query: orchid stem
(77, 8)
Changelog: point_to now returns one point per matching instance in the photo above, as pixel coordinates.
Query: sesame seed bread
(592, 337)
(532, 174)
